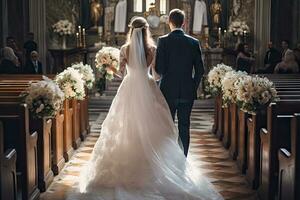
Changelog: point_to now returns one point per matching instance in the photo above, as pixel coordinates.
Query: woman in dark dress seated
(244, 62)
(9, 62)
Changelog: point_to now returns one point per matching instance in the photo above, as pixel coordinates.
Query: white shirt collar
(178, 29)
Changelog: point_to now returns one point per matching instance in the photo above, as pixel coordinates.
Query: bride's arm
(122, 62)
(152, 65)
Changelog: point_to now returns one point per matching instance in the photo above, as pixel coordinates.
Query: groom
(180, 65)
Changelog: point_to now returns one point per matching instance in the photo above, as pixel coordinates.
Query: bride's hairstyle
(140, 22)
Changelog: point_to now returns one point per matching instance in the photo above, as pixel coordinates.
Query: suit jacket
(30, 68)
(8, 67)
(178, 56)
(272, 58)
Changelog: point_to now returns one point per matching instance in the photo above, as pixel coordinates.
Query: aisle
(206, 151)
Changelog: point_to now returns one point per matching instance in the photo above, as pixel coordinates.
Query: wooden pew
(45, 173)
(226, 129)
(220, 118)
(233, 150)
(68, 149)
(289, 165)
(279, 117)
(254, 123)
(43, 128)
(216, 115)
(58, 160)
(15, 118)
(8, 178)
(242, 140)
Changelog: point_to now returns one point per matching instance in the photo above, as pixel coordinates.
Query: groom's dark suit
(178, 56)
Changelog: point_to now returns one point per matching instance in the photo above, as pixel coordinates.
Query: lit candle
(220, 30)
(77, 39)
(245, 36)
(83, 31)
(206, 31)
(100, 30)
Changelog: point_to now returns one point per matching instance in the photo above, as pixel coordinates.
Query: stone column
(262, 28)
(37, 25)
(4, 22)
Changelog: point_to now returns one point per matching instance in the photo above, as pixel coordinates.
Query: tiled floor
(206, 152)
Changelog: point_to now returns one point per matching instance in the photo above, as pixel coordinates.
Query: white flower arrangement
(254, 93)
(44, 98)
(229, 86)
(107, 61)
(215, 77)
(238, 28)
(63, 28)
(71, 83)
(87, 73)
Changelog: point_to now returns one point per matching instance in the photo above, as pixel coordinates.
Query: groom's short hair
(176, 17)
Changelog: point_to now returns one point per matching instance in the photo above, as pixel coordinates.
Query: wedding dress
(137, 156)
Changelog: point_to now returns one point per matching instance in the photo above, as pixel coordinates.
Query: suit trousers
(183, 108)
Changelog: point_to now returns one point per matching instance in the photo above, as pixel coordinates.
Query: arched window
(141, 6)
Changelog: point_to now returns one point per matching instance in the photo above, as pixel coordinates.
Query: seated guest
(33, 66)
(272, 58)
(297, 54)
(285, 47)
(9, 62)
(30, 45)
(244, 61)
(288, 65)
(12, 43)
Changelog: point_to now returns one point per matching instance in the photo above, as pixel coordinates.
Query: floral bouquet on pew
(71, 82)
(44, 98)
(215, 77)
(87, 73)
(229, 86)
(254, 93)
(107, 62)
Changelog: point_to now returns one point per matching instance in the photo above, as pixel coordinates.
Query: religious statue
(121, 17)
(200, 16)
(152, 16)
(236, 7)
(216, 11)
(96, 10)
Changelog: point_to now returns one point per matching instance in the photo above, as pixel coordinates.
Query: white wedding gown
(137, 156)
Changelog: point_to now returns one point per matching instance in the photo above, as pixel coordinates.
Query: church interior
(56, 90)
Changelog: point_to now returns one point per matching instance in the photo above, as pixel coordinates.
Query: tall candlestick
(77, 39)
(83, 34)
(80, 36)
(219, 37)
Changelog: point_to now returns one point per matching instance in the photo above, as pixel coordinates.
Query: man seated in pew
(272, 58)
(33, 66)
(9, 62)
(288, 65)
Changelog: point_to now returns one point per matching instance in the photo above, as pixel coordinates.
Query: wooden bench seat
(8, 177)
(289, 165)
(279, 117)
(15, 118)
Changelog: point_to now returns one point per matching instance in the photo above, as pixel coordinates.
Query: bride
(137, 156)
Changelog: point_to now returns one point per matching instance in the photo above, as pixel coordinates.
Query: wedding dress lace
(137, 156)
